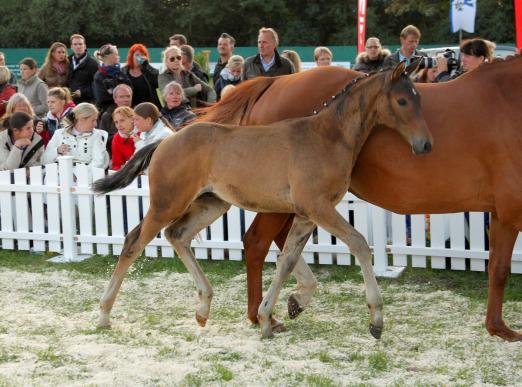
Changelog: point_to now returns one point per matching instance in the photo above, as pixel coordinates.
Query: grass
(434, 331)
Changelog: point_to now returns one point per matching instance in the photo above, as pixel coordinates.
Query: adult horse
(476, 165)
(211, 168)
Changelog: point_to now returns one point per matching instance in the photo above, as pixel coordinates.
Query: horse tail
(137, 164)
(236, 105)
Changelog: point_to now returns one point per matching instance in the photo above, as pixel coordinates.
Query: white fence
(53, 209)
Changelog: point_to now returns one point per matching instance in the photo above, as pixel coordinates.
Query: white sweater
(158, 132)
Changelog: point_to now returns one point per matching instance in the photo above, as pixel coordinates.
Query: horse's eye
(402, 102)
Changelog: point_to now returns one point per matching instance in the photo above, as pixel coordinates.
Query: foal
(302, 166)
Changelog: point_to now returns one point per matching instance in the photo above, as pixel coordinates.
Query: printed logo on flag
(462, 15)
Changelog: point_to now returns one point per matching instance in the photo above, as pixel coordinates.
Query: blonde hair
(172, 85)
(271, 31)
(322, 50)
(5, 75)
(294, 57)
(105, 51)
(165, 53)
(62, 93)
(82, 110)
(15, 100)
(125, 111)
(235, 61)
(410, 30)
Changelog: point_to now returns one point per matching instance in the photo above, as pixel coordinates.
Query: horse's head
(400, 108)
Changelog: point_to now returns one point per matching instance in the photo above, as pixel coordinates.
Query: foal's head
(398, 107)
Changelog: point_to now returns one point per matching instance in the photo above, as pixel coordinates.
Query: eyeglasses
(372, 46)
(173, 58)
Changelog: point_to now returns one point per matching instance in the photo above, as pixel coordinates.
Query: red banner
(518, 23)
(361, 26)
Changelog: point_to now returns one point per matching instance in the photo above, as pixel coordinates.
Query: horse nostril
(427, 147)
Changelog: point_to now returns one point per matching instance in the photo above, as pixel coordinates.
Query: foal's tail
(137, 164)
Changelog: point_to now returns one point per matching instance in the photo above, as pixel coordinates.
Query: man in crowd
(410, 37)
(177, 40)
(189, 64)
(225, 49)
(82, 68)
(267, 62)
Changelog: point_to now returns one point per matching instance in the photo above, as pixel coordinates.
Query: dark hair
(149, 110)
(17, 121)
(229, 37)
(182, 38)
(29, 62)
(476, 47)
(188, 51)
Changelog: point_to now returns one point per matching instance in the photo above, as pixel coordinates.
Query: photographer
(473, 52)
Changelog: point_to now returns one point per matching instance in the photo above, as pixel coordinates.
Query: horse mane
(496, 63)
(238, 104)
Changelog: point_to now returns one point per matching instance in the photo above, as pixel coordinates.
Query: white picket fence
(54, 209)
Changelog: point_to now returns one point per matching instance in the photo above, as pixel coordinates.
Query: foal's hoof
(294, 309)
(277, 326)
(375, 331)
(104, 322)
(202, 321)
(267, 334)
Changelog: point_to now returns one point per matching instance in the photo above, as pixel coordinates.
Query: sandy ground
(48, 336)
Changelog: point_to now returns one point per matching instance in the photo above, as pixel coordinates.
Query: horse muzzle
(421, 146)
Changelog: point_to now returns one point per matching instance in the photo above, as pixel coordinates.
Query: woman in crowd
(123, 141)
(79, 139)
(108, 76)
(151, 126)
(473, 53)
(175, 110)
(143, 76)
(293, 57)
(191, 84)
(33, 87)
(19, 145)
(372, 58)
(323, 56)
(59, 102)
(55, 69)
(230, 75)
(6, 89)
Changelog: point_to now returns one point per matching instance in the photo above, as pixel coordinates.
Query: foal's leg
(335, 224)
(306, 282)
(295, 242)
(135, 242)
(202, 212)
(502, 241)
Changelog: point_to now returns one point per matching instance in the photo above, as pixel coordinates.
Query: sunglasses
(173, 58)
(372, 47)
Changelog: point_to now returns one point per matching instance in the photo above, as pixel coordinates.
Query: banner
(462, 15)
(361, 26)
(518, 24)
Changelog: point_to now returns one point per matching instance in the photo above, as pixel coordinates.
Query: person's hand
(198, 87)
(22, 143)
(77, 94)
(63, 149)
(39, 127)
(442, 63)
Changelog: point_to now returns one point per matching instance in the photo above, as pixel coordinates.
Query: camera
(427, 62)
(452, 60)
(42, 120)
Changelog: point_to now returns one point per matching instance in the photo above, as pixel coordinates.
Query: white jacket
(159, 131)
(87, 148)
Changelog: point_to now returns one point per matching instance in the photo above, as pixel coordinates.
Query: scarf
(59, 68)
(111, 70)
(227, 76)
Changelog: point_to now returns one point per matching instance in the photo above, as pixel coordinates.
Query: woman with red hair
(143, 76)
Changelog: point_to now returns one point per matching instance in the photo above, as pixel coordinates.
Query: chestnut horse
(210, 168)
(476, 165)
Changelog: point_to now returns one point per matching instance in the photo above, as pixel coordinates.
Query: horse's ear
(399, 70)
(414, 65)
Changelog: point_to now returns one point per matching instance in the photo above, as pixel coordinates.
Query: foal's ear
(414, 65)
(399, 70)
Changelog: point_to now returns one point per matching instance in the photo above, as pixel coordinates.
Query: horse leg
(306, 282)
(502, 241)
(202, 212)
(295, 242)
(135, 242)
(256, 242)
(335, 224)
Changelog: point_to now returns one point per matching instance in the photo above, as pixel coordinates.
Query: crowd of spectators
(100, 112)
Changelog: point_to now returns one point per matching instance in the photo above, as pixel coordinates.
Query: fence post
(380, 239)
(68, 213)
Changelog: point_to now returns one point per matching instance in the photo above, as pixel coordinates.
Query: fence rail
(52, 208)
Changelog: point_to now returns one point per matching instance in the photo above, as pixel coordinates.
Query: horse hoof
(278, 326)
(375, 331)
(267, 334)
(294, 309)
(103, 326)
(202, 321)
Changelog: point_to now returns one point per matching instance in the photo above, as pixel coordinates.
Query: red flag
(518, 23)
(361, 26)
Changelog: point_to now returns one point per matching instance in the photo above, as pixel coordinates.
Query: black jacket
(103, 86)
(151, 78)
(254, 68)
(81, 78)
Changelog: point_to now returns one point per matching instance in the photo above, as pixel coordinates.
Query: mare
(211, 168)
(476, 165)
